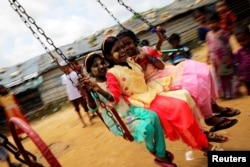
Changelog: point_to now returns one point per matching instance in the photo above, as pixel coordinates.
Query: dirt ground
(95, 146)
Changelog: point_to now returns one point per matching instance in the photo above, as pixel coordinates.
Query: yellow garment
(133, 84)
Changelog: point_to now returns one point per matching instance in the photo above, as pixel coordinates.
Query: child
(70, 79)
(181, 55)
(126, 79)
(11, 107)
(143, 124)
(200, 16)
(190, 75)
(227, 17)
(220, 54)
(242, 56)
(73, 61)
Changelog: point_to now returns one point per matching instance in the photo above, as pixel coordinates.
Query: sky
(63, 21)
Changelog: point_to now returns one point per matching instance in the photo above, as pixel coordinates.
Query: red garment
(12, 109)
(175, 115)
(226, 20)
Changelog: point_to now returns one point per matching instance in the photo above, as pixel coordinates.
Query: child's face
(213, 25)
(243, 40)
(66, 69)
(175, 43)
(119, 54)
(200, 17)
(221, 7)
(129, 45)
(99, 67)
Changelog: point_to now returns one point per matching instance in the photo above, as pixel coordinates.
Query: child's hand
(141, 57)
(160, 34)
(88, 85)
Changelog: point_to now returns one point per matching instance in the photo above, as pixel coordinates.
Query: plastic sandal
(226, 123)
(213, 137)
(229, 112)
(169, 155)
(164, 164)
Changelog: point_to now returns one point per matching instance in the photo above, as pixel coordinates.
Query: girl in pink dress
(125, 78)
(191, 75)
(220, 55)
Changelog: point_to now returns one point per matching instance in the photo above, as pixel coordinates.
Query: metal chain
(136, 14)
(109, 113)
(29, 21)
(111, 14)
(13, 149)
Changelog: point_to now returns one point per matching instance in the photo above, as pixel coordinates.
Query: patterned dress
(143, 124)
(175, 115)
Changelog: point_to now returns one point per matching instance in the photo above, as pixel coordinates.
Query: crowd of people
(157, 100)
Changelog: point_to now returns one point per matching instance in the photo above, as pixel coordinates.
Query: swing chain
(29, 21)
(11, 148)
(109, 12)
(109, 113)
(136, 14)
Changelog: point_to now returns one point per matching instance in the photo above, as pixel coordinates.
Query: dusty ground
(95, 146)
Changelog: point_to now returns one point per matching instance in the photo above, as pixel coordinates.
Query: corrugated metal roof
(34, 67)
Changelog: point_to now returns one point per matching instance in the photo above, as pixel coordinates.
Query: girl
(227, 17)
(11, 107)
(242, 56)
(220, 55)
(126, 79)
(143, 124)
(190, 75)
(200, 16)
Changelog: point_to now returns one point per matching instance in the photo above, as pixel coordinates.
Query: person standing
(70, 80)
(11, 107)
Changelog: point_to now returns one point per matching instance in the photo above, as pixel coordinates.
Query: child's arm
(92, 86)
(152, 56)
(161, 37)
(156, 62)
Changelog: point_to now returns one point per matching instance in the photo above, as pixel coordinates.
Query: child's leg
(77, 109)
(85, 107)
(223, 85)
(228, 86)
(155, 141)
(247, 83)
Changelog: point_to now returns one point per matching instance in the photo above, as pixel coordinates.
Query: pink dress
(175, 115)
(193, 76)
(220, 54)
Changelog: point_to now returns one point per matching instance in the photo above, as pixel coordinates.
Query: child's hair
(89, 60)
(144, 42)
(243, 29)
(71, 59)
(213, 17)
(174, 36)
(199, 10)
(107, 46)
(128, 33)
